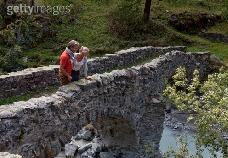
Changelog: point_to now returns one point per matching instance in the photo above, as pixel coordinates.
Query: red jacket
(66, 62)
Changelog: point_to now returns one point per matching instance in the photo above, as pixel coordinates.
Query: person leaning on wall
(71, 62)
(81, 62)
(66, 62)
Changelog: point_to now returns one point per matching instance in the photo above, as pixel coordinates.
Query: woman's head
(84, 51)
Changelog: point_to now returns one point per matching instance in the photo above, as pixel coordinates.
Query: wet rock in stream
(88, 144)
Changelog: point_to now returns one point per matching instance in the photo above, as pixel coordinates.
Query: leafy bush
(25, 32)
(209, 102)
(11, 60)
(182, 150)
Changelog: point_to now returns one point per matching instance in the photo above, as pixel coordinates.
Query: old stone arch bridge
(130, 98)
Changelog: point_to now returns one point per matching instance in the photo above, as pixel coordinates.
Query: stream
(175, 126)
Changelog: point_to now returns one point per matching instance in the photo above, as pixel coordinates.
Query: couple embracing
(72, 62)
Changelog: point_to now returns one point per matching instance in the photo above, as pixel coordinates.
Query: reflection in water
(170, 137)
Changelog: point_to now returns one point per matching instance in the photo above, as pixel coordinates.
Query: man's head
(73, 46)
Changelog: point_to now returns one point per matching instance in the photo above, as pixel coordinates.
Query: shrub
(26, 31)
(11, 60)
(182, 150)
(209, 103)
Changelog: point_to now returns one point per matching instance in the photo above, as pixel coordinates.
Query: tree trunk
(32, 3)
(146, 15)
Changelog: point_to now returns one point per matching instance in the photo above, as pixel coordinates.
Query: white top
(79, 64)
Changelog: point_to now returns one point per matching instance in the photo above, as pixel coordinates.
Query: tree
(146, 15)
(208, 101)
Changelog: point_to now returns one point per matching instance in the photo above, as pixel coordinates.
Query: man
(67, 62)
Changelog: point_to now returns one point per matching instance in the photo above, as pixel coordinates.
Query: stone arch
(111, 123)
(116, 132)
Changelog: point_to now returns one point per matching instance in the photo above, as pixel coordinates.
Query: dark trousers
(75, 75)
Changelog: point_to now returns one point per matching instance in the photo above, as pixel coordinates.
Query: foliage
(209, 103)
(25, 32)
(28, 30)
(182, 150)
(95, 24)
(11, 60)
(150, 149)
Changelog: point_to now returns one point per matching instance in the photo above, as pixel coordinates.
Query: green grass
(163, 9)
(220, 28)
(32, 94)
(220, 49)
(91, 29)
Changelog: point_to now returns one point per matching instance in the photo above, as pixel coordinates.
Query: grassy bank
(91, 27)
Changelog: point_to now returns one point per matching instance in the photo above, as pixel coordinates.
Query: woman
(81, 61)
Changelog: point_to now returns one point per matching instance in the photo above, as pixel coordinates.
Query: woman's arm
(85, 68)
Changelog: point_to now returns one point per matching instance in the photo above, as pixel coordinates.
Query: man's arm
(62, 64)
(65, 73)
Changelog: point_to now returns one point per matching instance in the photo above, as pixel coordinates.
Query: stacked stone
(129, 57)
(89, 144)
(8, 155)
(21, 82)
(86, 144)
(41, 125)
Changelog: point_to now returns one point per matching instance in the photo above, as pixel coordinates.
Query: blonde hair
(84, 48)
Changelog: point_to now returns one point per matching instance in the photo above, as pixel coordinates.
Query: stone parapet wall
(21, 82)
(41, 126)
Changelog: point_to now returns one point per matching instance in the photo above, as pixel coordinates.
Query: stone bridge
(21, 82)
(126, 103)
